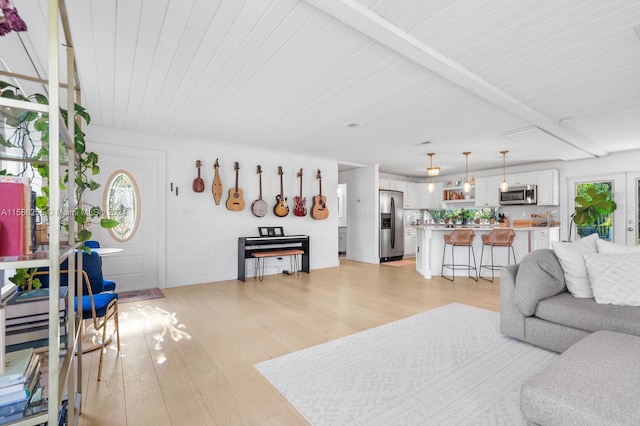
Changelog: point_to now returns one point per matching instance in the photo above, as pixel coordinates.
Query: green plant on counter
(437, 215)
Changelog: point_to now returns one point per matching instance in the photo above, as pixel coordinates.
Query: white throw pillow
(575, 271)
(615, 278)
(611, 248)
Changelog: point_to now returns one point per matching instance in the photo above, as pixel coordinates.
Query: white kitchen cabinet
(548, 188)
(430, 200)
(409, 241)
(519, 179)
(398, 185)
(412, 196)
(487, 191)
(542, 238)
(384, 184)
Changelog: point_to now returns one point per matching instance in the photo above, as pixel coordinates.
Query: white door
(632, 214)
(141, 264)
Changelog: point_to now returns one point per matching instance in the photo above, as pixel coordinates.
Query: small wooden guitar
(235, 202)
(319, 210)
(198, 183)
(299, 208)
(216, 187)
(259, 206)
(281, 209)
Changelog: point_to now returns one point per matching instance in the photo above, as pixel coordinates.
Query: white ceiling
(288, 75)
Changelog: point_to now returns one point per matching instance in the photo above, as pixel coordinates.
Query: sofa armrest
(511, 318)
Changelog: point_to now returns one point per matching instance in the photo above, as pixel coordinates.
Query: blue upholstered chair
(97, 305)
(92, 244)
(92, 264)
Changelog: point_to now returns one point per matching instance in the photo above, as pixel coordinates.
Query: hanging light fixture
(504, 186)
(467, 186)
(432, 171)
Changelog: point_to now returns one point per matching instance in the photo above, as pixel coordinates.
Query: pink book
(12, 216)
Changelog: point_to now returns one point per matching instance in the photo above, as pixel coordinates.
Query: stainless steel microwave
(523, 194)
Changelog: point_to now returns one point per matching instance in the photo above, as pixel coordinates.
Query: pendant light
(467, 186)
(432, 171)
(504, 186)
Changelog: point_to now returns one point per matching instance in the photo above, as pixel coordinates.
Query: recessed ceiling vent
(354, 124)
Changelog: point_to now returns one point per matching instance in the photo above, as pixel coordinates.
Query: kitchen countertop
(481, 227)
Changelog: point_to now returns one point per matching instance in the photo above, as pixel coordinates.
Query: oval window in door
(122, 203)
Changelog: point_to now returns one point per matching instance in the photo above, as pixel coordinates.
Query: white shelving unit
(63, 366)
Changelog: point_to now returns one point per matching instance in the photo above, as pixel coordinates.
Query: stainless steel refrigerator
(391, 226)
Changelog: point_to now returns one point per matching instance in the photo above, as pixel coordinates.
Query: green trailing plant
(86, 162)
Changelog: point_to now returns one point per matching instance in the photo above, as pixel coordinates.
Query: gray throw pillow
(539, 276)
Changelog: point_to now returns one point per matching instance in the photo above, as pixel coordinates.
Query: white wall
(201, 237)
(363, 211)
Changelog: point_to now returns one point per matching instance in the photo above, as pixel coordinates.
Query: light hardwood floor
(188, 359)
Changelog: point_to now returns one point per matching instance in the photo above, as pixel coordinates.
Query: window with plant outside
(594, 209)
(122, 203)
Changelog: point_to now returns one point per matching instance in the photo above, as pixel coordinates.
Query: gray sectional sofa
(536, 307)
(583, 300)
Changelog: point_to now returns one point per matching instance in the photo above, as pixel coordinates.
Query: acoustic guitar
(300, 209)
(198, 183)
(216, 187)
(259, 206)
(281, 209)
(319, 210)
(235, 202)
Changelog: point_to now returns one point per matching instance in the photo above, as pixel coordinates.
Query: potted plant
(86, 162)
(26, 124)
(593, 207)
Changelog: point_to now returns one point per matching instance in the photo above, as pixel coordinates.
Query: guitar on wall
(299, 208)
(235, 202)
(259, 206)
(319, 210)
(281, 209)
(198, 183)
(216, 187)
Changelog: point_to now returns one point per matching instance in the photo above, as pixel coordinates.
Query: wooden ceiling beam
(363, 19)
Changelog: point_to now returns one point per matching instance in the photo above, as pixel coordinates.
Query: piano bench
(259, 256)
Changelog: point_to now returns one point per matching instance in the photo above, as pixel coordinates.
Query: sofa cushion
(575, 271)
(595, 382)
(615, 278)
(586, 314)
(608, 247)
(539, 276)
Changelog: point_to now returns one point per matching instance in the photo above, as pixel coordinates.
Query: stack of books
(17, 216)
(18, 383)
(27, 318)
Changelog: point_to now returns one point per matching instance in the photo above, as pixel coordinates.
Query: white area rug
(447, 366)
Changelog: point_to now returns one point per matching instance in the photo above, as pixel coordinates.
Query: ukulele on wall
(235, 202)
(319, 210)
(216, 187)
(259, 206)
(281, 209)
(299, 208)
(198, 183)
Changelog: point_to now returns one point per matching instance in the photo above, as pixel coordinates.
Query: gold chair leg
(104, 338)
(117, 324)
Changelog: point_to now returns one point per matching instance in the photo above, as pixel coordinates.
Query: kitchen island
(430, 245)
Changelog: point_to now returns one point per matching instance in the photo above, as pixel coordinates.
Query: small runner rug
(139, 295)
(446, 366)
